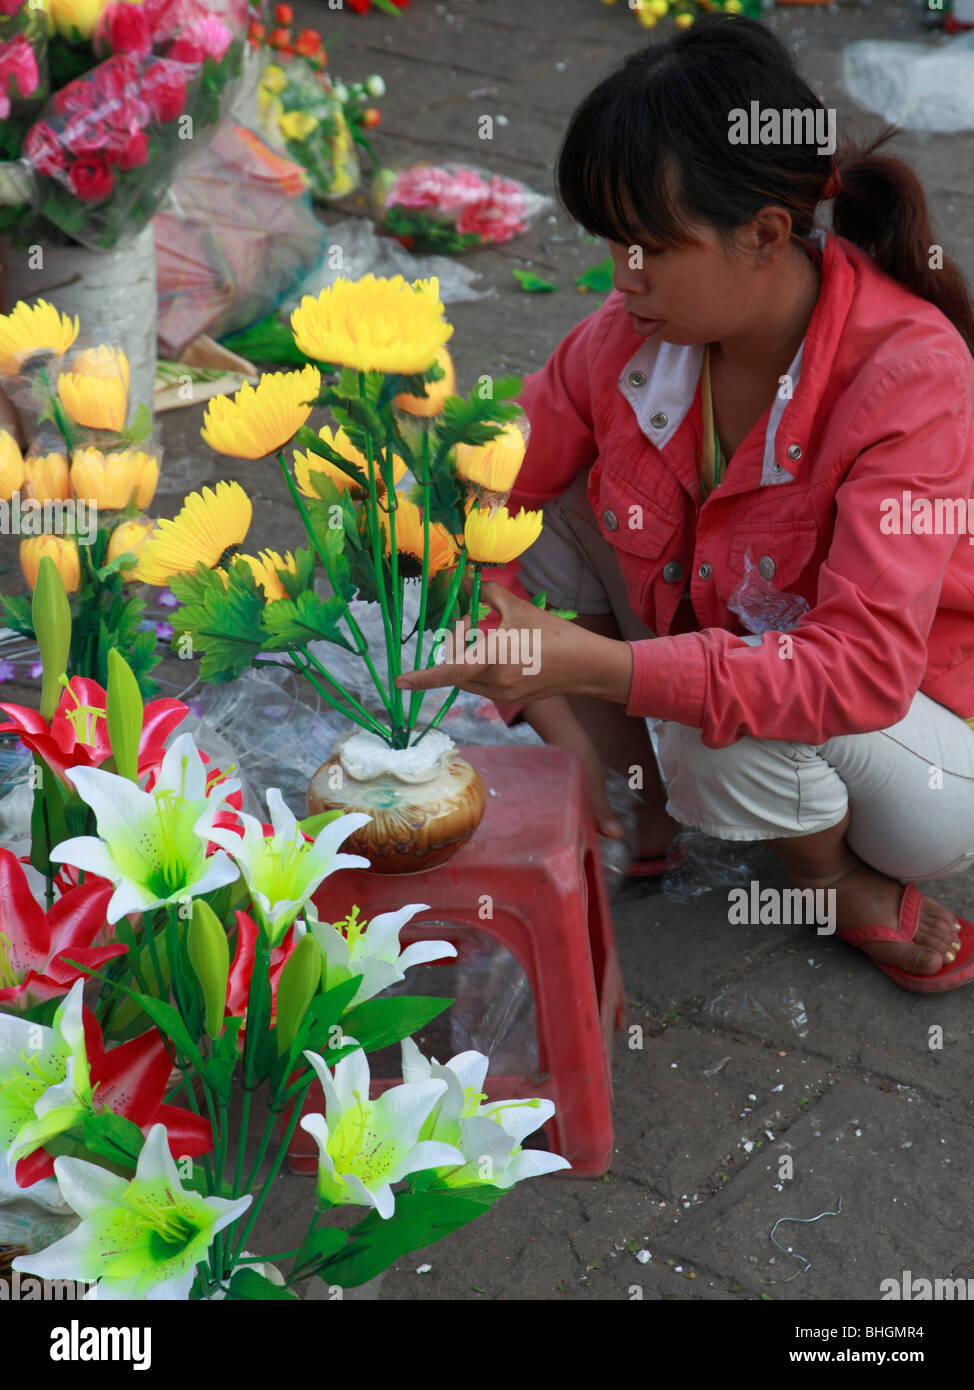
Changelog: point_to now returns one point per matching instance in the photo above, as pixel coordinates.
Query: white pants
(909, 789)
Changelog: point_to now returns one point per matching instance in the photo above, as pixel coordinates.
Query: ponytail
(881, 206)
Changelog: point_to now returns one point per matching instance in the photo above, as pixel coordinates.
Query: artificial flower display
(32, 335)
(496, 537)
(209, 529)
(420, 548)
(355, 482)
(490, 469)
(452, 208)
(95, 392)
(260, 420)
(114, 481)
(46, 477)
(369, 952)
(373, 325)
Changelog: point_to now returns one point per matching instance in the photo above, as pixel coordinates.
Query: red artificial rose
(124, 29)
(117, 76)
(360, 6)
(164, 90)
(307, 43)
(85, 135)
(126, 114)
(79, 95)
(43, 148)
(11, 7)
(283, 14)
(136, 151)
(91, 179)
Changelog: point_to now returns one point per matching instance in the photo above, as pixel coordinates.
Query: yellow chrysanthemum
(112, 481)
(63, 550)
(373, 325)
(74, 17)
(129, 538)
(264, 567)
(30, 329)
(273, 78)
(261, 419)
(436, 391)
(46, 478)
(306, 464)
(95, 392)
(409, 541)
(297, 125)
(495, 538)
(210, 527)
(493, 466)
(11, 466)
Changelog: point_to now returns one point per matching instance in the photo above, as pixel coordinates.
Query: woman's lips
(645, 326)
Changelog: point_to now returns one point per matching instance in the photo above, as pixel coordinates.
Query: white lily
(489, 1135)
(349, 949)
(151, 845)
(283, 870)
(140, 1237)
(46, 1084)
(364, 1146)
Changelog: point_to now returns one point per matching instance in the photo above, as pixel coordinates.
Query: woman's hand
(530, 656)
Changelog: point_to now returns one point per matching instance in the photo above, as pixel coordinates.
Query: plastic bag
(760, 606)
(452, 208)
(297, 113)
(737, 1006)
(916, 86)
(708, 863)
(238, 233)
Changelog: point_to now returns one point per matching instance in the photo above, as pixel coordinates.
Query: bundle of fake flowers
(395, 418)
(684, 12)
(184, 961)
(451, 208)
(132, 87)
(78, 493)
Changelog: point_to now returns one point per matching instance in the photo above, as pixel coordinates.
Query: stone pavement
(758, 1045)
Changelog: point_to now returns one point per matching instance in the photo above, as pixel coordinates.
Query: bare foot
(865, 896)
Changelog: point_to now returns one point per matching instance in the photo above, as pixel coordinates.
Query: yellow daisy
(261, 419)
(373, 325)
(495, 538)
(129, 538)
(11, 466)
(31, 329)
(95, 392)
(63, 550)
(46, 478)
(493, 466)
(306, 464)
(113, 481)
(210, 528)
(409, 541)
(264, 567)
(297, 125)
(436, 391)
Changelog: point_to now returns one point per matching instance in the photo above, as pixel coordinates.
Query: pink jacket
(881, 406)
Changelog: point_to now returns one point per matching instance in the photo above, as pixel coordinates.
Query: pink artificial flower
(123, 28)
(164, 89)
(135, 153)
(489, 221)
(419, 188)
(18, 71)
(206, 37)
(43, 148)
(117, 76)
(11, 7)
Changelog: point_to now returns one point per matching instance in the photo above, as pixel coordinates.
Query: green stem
(313, 681)
(475, 610)
(372, 519)
(395, 649)
(343, 692)
(451, 602)
(416, 696)
(269, 1180)
(60, 419)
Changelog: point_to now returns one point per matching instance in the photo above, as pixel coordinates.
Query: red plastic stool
(535, 861)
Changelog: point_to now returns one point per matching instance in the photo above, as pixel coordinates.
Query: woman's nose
(626, 278)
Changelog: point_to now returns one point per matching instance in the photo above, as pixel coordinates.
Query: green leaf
(312, 825)
(247, 1285)
(224, 624)
(540, 599)
(533, 284)
(113, 1137)
(270, 341)
(317, 1246)
(380, 1022)
(597, 277)
(140, 428)
(308, 439)
(293, 623)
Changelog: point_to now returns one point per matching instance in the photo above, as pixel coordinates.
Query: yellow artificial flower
(209, 528)
(495, 538)
(95, 392)
(274, 78)
(46, 478)
(345, 171)
(264, 567)
(646, 18)
(436, 391)
(306, 464)
(112, 481)
(30, 329)
(495, 465)
(129, 538)
(297, 125)
(683, 21)
(409, 541)
(63, 550)
(261, 419)
(11, 466)
(373, 325)
(270, 108)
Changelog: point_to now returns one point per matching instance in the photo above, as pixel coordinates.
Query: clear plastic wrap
(916, 86)
(452, 208)
(299, 114)
(237, 233)
(761, 607)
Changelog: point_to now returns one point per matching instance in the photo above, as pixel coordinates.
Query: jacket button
(611, 521)
(637, 378)
(766, 567)
(705, 571)
(658, 420)
(673, 571)
(794, 452)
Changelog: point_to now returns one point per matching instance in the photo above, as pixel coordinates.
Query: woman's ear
(770, 234)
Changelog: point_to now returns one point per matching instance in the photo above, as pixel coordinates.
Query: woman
(722, 453)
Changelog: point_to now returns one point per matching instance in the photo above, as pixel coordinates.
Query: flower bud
(51, 618)
(437, 392)
(61, 549)
(11, 466)
(129, 538)
(340, 92)
(124, 710)
(209, 954)
(46, 478)
(375, 86)
(112, 481)
(296, 988)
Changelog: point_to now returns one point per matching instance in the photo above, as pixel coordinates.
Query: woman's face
(703, 292)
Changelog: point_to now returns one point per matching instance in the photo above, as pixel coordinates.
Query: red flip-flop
(959, 972)
(654, 868)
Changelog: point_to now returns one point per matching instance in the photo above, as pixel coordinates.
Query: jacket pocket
(780, 550)
(639, 531)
